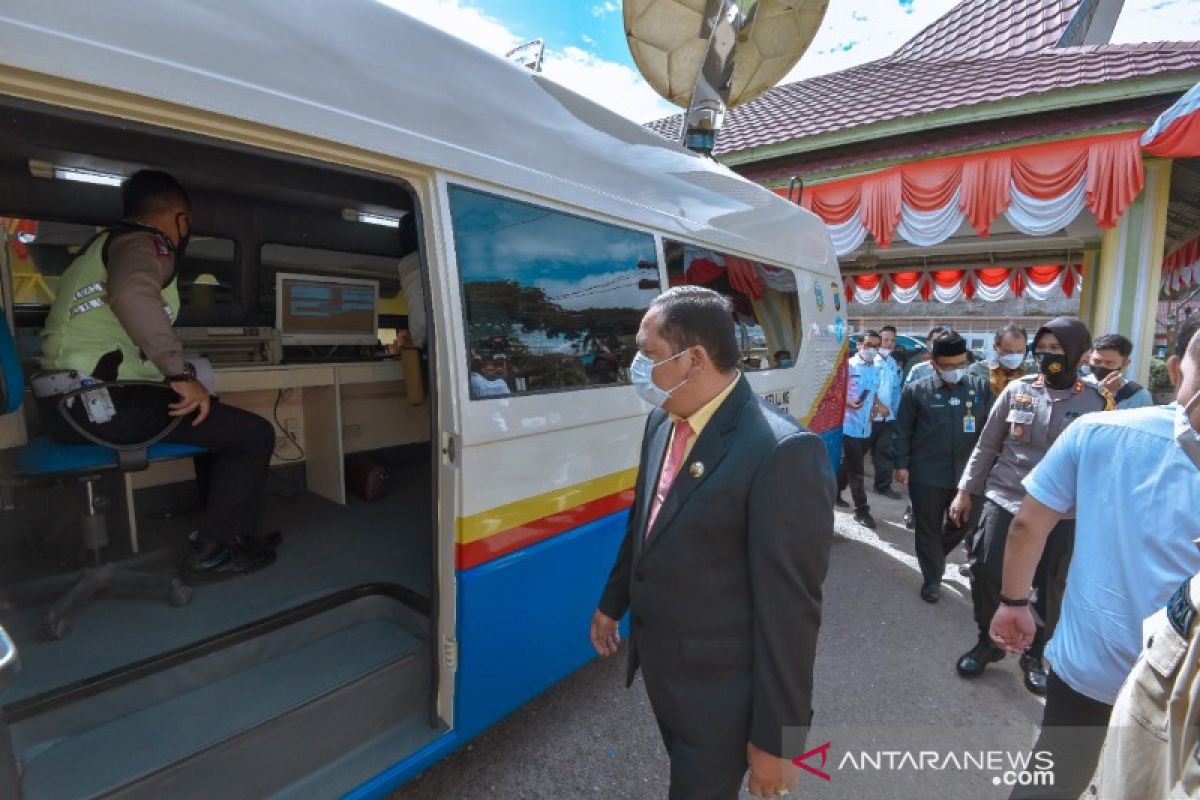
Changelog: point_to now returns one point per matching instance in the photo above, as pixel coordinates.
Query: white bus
(392, 630)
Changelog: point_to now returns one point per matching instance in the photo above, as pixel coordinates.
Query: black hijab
(1061, 372)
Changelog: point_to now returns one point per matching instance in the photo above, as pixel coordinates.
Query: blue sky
(586, 48)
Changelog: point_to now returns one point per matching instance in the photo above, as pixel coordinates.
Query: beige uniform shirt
(139, 264)
(1025, 420)
(1152, 749)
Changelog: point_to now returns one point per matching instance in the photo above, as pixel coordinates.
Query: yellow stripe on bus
(522, 512)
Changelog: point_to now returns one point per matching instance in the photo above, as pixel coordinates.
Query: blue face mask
(784, 363)
(641, 375)
(1011, 360)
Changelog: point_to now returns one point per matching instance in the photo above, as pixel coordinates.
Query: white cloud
(604, 9)
(858, 32)
(1158, 21)
(615, 86)
(608, 83)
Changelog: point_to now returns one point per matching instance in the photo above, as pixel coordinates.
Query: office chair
(44, 458)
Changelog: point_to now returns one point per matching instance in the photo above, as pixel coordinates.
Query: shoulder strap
(1127, 391)
(123, 228)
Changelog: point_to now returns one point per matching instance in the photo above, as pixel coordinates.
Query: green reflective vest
(81, 327)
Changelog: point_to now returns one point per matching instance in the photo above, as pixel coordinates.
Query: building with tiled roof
(1001, 137)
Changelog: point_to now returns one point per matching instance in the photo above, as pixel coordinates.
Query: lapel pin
(697, 469)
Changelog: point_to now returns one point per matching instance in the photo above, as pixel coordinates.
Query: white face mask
(641, 375)
(952, 376)
(1185, 435)
(1011, 360)
(868, 354)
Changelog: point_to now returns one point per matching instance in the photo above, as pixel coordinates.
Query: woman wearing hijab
(1028, 416)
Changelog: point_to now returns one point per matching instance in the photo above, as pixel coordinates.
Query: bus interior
(137, 697)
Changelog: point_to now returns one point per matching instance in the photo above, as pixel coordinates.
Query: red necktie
(679, 442)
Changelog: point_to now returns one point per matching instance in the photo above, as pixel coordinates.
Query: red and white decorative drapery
(991, 284)
(1176, 133)
(1038, 188)
(1181, 269)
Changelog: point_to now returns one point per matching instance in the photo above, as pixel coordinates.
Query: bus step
(251, 720)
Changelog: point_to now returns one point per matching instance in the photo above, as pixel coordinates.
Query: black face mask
(1101, 372)
(1054, 367)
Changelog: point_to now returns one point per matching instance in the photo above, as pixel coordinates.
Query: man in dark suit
(723, 559)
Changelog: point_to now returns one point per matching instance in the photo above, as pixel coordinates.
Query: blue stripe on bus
(522, 627)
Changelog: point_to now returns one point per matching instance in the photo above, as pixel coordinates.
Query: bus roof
(360, 73)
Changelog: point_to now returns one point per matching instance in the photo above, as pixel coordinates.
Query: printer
(233, 346)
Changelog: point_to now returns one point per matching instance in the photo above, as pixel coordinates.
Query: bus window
(208, 275)
(37, 253)
(766, 303)
(39, 250)
(553, 301)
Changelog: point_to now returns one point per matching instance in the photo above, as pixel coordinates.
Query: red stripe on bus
(473, 554)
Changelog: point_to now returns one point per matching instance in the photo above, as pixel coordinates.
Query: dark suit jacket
(725, 593)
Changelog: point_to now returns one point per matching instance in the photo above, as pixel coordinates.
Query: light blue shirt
(1139, 399)
(864, 377)
(1136, 496)
(891, 384)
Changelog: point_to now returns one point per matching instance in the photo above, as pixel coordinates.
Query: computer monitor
(321, 310)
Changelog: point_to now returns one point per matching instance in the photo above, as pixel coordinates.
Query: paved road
(885, 681)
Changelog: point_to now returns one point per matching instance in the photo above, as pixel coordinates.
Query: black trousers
(936, 535)
(882, 455)
(699, 774)
(232, 474)
(853, 470)
(1073, 729)
(1050, 578)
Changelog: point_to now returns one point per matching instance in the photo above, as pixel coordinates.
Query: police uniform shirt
(1028, 417)
(937, 428)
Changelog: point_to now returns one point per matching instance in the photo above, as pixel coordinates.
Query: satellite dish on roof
(710, 55)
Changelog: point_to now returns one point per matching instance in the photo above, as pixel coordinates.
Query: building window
(766, 304)
(553, 301)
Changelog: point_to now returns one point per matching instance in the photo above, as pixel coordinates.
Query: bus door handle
(450, 447)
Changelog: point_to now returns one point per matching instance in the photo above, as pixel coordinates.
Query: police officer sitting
(112, 320)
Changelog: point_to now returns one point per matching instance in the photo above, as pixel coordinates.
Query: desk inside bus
(338, 409)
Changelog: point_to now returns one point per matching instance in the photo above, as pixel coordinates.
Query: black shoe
(218, 561)
(890, 492)
(258, 542)
(840, 503)
(931, 592)
(864, 518)
(1035, 674)
(908, 518)
(973, 662)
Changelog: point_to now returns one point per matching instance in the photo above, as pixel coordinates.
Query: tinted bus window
(553, 301)
(766, 304)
